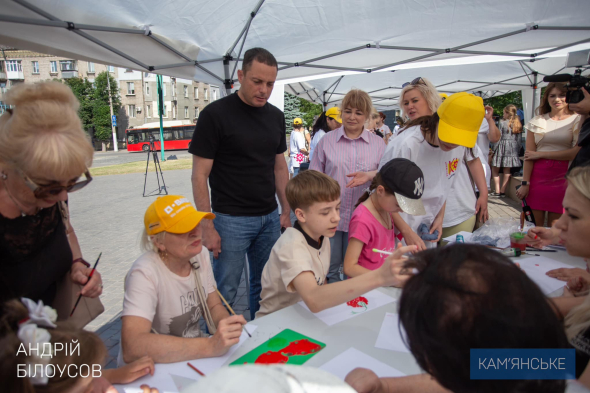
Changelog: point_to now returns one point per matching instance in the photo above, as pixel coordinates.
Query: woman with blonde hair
(551, 141)
(506, 151)
(346, 152)
(44, 154)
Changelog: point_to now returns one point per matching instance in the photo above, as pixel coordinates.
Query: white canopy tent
(204, 40)
(486, 79)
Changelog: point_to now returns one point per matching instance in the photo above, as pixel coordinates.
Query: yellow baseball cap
(460, 118)
(297, 121)
(444, 96)
(174, 214)
(334, 113)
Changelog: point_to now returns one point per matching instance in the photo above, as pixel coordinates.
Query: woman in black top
(44, 154)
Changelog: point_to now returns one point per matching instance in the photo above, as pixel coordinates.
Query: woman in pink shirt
(397, 187)
(342, 153)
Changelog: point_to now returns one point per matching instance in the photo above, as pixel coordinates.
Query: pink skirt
(547, 185)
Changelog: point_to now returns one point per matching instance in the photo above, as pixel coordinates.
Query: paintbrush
(89, 277)
(231, 310)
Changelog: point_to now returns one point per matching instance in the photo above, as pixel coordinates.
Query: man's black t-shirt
(243, 141)
(583, 156)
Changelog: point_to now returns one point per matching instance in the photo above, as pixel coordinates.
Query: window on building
(196, 93)
(131, 110)
(148, 111)
(163, 89)
(130, 88)
(174, 111)
(110, 68)
(53, 67)
(146, 74)
(213, 95)
(186, 112)
(91, 67)
(67, 65)
(128, 70)
(2, 66)
(35, 67)
(14, 66)
(205, 94)
(186, 91)
(147, 88)
(165, 114)
(196, 112)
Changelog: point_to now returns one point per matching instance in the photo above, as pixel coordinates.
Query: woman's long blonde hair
(513, 120)
(578, 319)
(42, 135)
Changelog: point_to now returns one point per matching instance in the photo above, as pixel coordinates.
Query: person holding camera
(583, 109)
(551, 142)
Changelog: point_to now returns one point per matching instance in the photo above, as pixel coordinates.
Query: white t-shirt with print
(483, 142)
(461, 200)
(297, 142)
(153, 292)
(439, 168)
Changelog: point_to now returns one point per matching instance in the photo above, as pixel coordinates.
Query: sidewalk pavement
(108, 216)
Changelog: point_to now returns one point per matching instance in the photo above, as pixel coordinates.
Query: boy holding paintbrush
(299, 260)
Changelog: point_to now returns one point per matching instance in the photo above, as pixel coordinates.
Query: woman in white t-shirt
(326, 122)
(297, 149)
(439, 149)
(170, 289)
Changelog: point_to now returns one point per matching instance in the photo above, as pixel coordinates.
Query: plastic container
(517, 240)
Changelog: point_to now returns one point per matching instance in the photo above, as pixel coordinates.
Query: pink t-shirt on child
(366, 228)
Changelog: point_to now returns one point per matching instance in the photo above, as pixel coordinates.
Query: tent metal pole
(227, 81)
(385, 88)
(246, 26)
(66, 25)
(306, 62)
(165, 45)
(472, 52)
(336, 81)
(564, 28)
(334, 89)
(83, 34)
(563, 47)
(324, 103)
(446, 84)
(499, 83)
(495, 83)
(176, 65)
(208, 72)
(306, 92)
(240, 52)
(527, 75)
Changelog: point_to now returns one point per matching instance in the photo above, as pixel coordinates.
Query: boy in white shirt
(299, 260)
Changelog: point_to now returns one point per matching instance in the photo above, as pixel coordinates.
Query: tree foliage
(310, 111)
(94, 103)
(500, 102)
(298, 107)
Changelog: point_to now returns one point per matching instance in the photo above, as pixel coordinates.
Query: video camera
(574, 83)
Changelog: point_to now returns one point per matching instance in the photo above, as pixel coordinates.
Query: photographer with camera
(583, 109)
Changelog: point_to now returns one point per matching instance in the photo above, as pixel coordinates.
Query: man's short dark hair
(261, 55)
(468, 296)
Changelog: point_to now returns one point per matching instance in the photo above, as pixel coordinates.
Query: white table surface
(359, 332)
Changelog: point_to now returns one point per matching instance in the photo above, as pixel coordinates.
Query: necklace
(386, 222)
(18, 205)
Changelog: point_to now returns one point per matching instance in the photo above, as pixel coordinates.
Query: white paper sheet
(352, 358)
(162, 378)
(344, 311)
(453, 238)
(389, 336)
(536, 267)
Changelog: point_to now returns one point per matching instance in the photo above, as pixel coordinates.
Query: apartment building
(183, 98)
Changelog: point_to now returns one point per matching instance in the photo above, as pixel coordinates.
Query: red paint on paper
(301, 347)
(271, 358)
(358, 302)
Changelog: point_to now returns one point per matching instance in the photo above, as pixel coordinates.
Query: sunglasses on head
(54, 188)
(416, 81)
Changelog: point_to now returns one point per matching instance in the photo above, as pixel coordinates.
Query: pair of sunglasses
(416, 81)
(53, 189)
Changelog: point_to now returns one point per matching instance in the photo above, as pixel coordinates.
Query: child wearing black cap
(397, 187)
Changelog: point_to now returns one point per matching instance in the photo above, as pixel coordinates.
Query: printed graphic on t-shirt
(187, 324)
(451, 166)
(299, 158)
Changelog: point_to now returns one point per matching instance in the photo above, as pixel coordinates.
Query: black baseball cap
(406, 180)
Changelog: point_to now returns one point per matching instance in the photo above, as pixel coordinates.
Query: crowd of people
(367, 187)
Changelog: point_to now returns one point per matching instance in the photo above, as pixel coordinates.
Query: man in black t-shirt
(238, 145)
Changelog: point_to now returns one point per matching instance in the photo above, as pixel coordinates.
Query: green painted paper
(276, 344)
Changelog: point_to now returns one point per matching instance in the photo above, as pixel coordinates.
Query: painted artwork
(357, 306)
(287, 347)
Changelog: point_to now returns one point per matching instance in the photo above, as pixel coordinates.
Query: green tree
(101, 109)
(500, 102)
(310, 111)
(84, 92)
(292, 105)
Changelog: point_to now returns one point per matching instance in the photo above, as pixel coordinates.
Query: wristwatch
(524, 183)
(82, 261)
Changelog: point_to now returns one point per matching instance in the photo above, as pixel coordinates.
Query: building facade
(183, 99)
